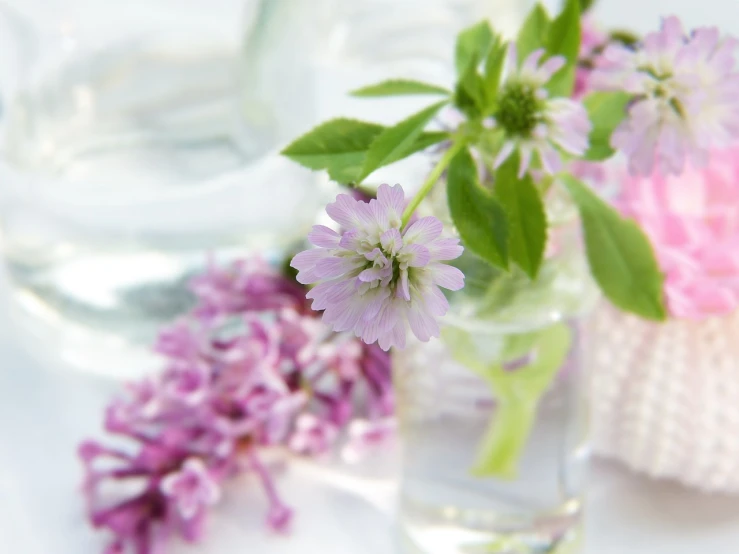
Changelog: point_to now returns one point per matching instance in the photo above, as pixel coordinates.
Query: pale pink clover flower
(376, 277)
(686, 91)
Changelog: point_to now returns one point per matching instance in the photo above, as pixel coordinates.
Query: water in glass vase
(493, 431)
(123, 168)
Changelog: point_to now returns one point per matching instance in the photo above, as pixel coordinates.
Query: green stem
(439, 168)
(506, 438)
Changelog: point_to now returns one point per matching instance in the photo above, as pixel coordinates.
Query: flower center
(518, 109)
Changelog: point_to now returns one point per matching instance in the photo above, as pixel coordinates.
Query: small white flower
(533, 122)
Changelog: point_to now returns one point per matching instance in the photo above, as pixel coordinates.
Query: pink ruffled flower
(686, 91)
(375, 278)
(693, 222)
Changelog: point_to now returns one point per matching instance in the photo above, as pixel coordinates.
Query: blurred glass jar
(139, 135)
(493, 418)
(127, 156)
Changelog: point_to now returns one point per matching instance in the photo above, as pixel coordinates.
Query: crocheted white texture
(665, 397)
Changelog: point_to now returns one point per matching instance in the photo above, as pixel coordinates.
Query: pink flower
(191, 488)
(186, 382)
(376, 278)
(693, 222)
(593, 38)
(312, 435)
(244, 371)
(685, 91)
(247, 285)
(534, 123)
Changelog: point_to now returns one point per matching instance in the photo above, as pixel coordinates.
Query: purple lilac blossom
(686, 90)
(251, 367)
(377, 277)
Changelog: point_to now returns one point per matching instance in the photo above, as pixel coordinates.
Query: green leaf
(621, 258)
(480, 220)
(470, 95)
(473, 44)
(396, 87)
(428, 139)
(533, 33)
(606, 110)
(527, 222)
(338, 146)
(494, 69)
(564, 40)
(397, 142)
(585, 5)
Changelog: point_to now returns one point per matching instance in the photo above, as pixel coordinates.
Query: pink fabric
(693, 222)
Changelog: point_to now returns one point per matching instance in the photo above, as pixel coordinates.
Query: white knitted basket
(665, 397)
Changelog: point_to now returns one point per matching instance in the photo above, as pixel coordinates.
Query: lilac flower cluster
(251, 367)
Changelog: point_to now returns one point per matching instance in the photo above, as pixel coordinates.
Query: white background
(44, 412)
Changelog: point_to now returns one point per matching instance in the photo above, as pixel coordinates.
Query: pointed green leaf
(350, 173)
(473, 44)
(338, 146)
(397, 142)
(494, 69)
(527, 221)
(396, 87)
(585, 5)
(564, 40)
(606, 111)
(533, 33)
(479, 218)
(470, 95)
(620, 255)
(429, 138)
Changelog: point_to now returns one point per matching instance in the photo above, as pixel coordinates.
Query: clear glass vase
(493, 414)
(127, 156)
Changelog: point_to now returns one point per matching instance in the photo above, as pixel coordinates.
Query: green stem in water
(431, 180)
(502, 447)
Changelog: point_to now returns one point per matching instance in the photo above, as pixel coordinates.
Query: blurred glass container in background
(139, 135)
(127, 157)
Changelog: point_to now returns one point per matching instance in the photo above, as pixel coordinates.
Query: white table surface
(45, 412)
